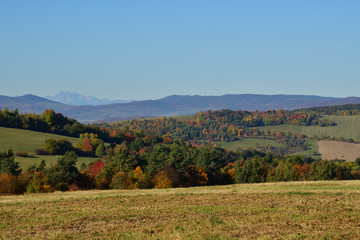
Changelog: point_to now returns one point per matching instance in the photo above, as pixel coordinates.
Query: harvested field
(294, 210)
(339, 150)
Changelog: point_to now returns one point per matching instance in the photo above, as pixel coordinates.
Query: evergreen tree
(64, 173)
(8, 164)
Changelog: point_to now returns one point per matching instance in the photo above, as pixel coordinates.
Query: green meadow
(347, 127)
(249, 143)
(26, 140)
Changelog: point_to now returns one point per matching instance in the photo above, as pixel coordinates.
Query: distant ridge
(172, 105)
(73, 98)
(32, 104)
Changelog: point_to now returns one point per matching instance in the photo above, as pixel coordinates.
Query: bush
(21, 154)
(51, 146)
(41, 151)
(7, 184)
(60, 146)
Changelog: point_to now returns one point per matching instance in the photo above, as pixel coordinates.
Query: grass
(295, 210)
(347, 127)
(184, 117)
(26, 140)
(249, 142)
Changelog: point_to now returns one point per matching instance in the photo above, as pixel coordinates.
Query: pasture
(293, 210)
(347, 127)
(26, 140)
(339, 150)
(249, 143)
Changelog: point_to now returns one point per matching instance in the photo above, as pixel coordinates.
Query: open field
(184, 117)
(347, 127)
(339, 150)
(249, 142)
(255, 143)
(294, 210)
(26, 140)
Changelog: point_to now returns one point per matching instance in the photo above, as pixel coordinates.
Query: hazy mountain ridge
(73, 98)
(171, 105)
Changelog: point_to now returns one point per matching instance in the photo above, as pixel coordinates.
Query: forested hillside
(167, 152)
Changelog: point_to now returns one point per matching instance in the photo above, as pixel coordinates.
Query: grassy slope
(248, 142)
(25, 140)
(295, 210)
(347, 127)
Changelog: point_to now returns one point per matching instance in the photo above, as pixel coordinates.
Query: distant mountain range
(72, 98)
(171, 105)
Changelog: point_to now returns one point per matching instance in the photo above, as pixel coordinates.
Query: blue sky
(151, 49)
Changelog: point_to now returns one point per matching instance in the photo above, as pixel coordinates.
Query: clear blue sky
(151, 49)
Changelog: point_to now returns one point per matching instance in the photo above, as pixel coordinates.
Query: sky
(151, 49)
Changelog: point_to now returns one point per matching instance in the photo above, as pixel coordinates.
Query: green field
(347, 127)
(26, 140)
(249, 143)
(294, 210)
(257, 143)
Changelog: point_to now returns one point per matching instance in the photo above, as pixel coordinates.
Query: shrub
(41, 151)
(51, 146)
(7, 184)
(21, 154)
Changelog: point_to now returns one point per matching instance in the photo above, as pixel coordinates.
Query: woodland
(169, 152)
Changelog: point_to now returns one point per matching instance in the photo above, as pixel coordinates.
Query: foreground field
(296, 210)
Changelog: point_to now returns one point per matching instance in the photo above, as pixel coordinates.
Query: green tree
(251, 172)
(52, 146)
(100, 150)
(8, 163)
(64, 173)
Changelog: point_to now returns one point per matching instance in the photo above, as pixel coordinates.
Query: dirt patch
(339, 150)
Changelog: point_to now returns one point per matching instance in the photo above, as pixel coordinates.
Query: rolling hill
(171, 106)
(26, 140)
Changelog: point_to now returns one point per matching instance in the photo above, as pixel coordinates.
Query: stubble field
(294, 210)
